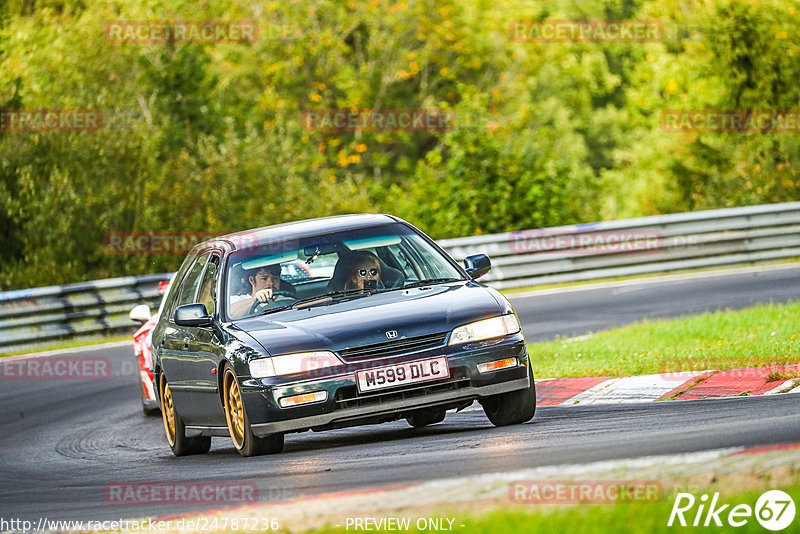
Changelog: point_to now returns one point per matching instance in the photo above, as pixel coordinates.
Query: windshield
(354, 262)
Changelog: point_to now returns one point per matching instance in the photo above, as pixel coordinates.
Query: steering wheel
(258, 305)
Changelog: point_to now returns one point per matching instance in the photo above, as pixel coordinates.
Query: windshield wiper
(325, 298)
(317, 300)
(428, 282)
(271, 310)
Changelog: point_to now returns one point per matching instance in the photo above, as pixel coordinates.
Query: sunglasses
(365, 272)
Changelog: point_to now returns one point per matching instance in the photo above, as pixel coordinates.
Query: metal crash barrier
(31, 318)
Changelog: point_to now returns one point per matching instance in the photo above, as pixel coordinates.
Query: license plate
(402, 374)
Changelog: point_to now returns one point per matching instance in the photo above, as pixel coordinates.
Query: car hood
(365, 320)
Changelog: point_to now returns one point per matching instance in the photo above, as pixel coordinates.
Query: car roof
(296, 230)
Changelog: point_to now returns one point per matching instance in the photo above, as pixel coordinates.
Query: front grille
(393, 348)
(348, 397)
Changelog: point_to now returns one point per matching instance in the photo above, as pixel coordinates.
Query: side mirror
(140, 313)
(192, 315)
(477, 265)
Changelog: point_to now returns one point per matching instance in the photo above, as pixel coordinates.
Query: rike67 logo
(774, 510)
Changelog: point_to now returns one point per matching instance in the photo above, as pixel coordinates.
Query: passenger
(364, 271)
(263, 283)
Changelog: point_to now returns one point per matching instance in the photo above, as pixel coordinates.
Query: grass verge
(754, 337)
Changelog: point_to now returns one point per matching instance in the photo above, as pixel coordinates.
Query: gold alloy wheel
(167, 411)
(234, 411)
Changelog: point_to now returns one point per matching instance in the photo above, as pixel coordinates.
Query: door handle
(185, 343)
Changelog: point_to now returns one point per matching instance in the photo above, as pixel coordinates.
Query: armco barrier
(662, 243)
(35, 317)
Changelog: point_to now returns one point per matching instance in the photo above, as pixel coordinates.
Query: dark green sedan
(329, 323)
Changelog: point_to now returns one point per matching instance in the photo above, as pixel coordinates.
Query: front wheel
(247, 443)
(512, 408)
(175, 429)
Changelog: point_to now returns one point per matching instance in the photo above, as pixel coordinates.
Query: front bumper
(345, 406)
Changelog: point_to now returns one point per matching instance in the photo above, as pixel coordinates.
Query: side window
(172, 293)
(188, 288)
(208, 286)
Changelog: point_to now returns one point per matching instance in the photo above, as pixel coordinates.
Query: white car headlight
(485, 329)
(286, 364)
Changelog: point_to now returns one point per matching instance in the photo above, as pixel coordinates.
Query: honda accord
(383, 326)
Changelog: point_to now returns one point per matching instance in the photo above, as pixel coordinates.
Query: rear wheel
(512, 408)
(247, 443)
(175, 429)
(425, 417)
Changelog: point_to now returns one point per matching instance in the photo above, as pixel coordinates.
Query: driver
(263, 282)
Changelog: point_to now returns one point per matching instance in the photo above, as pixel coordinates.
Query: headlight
(286, 364)
(485, 329)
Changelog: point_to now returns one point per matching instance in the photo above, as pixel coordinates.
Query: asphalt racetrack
(63, 442)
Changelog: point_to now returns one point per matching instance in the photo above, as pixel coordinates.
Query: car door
(177, 340)
(203, 354)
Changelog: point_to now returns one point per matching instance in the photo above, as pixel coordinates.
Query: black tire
(247, 443)
(512, 408)
(175, 428)
(425, 417)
